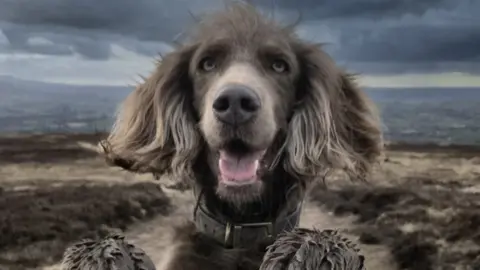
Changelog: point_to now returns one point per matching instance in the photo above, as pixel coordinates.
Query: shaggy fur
(113, 252)
(311, 117)
(312, 249)
(302, 249)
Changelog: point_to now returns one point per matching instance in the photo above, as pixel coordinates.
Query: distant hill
(32, 105)
(440, 115)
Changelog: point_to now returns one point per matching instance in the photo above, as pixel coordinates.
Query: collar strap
(240, 235)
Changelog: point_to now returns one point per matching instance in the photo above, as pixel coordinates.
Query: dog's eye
(280, 66)
(208, 64)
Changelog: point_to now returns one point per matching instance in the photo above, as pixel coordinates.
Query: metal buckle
(237, 230)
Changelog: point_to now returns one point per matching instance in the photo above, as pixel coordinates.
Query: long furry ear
(334, 126)
(155, 129)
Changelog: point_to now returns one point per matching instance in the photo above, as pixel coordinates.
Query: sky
(390, 43)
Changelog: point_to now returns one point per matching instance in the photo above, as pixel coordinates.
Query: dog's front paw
(110, 253)
(308, 249)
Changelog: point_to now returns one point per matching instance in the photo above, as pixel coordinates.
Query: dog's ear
(155, 130)
(334, 125)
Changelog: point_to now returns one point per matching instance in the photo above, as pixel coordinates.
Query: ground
(420, 210)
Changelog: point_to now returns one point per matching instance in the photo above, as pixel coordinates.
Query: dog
(249, 116)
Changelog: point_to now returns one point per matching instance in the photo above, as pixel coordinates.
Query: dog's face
(244, 90)
(258, 99)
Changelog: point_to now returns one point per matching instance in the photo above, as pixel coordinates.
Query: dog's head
(254, 98)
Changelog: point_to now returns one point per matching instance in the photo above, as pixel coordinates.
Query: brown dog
(248, 115)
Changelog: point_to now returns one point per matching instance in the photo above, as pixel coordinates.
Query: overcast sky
(390, 42)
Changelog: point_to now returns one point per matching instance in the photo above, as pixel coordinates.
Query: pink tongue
(233, 168)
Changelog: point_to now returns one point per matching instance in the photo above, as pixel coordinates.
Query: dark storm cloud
(414, 48)
(403, 44)
(400, 37)
(57, 42)
(374, 36)
(90, 44)
(87, 27)
(314, 9)
(144, 19)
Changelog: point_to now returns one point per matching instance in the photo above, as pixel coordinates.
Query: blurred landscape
(413, 115)
(65, 68)
(419, 211)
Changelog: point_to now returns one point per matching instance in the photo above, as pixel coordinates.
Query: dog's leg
(311, 249)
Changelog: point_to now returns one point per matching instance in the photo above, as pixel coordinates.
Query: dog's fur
(313, 118)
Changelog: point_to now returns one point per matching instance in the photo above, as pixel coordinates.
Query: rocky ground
(421, 209)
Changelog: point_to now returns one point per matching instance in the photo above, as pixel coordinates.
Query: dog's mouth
(239, 164)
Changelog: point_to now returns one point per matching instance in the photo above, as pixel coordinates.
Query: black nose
(236, 105)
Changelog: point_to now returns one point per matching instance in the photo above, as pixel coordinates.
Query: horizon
(377, 86)
(390, 44)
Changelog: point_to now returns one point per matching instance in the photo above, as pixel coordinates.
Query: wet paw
(308, 249)
(110, 253)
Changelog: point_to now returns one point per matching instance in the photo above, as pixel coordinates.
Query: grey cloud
(144, 19)
(415, 44)
(385, 68)
(92, 45)
(439, 40)
(375, 36)
(313, 9)
(89, 27)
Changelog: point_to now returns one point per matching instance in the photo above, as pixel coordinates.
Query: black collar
(241, 235)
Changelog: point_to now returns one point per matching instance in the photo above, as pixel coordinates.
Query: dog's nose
(236, 105)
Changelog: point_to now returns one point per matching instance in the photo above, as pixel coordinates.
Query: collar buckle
(236, 230)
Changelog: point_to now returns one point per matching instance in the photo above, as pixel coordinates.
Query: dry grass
(423, 203)
(54, 191)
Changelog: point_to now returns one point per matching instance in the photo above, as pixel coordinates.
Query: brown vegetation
(423, 202)
(39, 216)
